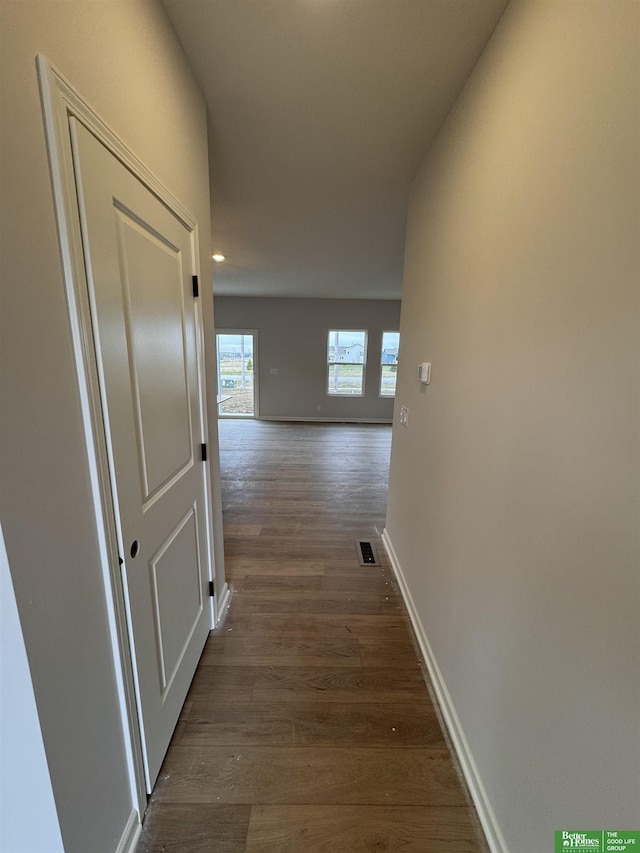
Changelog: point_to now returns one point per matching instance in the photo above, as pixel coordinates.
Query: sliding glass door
(236, 363)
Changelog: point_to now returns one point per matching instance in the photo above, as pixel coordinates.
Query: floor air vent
(366, 551)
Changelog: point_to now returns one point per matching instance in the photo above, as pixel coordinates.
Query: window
(236, 385)
(346, 358)
(389, 363)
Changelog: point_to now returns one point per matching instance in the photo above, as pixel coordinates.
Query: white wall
(25, 785)
(292, 337)
(125, 61)
(514, 494)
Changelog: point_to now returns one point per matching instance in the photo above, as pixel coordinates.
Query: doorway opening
(236, 367)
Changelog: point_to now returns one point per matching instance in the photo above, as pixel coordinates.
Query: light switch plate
(404, 416)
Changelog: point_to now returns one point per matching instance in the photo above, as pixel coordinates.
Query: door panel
(139, 259)
(158, 349)
(176, 605)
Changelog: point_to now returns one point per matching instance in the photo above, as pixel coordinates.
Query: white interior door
(140, 258)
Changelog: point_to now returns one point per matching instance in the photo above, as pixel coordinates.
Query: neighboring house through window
(346, 358)
(389, 363)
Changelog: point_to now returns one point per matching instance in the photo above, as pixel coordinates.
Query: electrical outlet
(404, 416)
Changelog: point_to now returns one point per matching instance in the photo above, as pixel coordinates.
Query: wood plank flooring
(308, 727)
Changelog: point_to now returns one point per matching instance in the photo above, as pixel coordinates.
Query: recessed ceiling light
(218, 258)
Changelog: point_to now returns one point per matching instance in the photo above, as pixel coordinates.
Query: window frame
(255, 356)
(362, 364)
(382, 366)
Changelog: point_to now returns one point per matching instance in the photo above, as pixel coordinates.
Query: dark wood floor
(308, 726)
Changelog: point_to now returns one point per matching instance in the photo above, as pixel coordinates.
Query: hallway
(308, 726)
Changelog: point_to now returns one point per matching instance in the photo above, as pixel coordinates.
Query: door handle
(135, 547)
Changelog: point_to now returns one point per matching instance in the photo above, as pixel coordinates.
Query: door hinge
(196, 289)
(204, 452)
(211, 588)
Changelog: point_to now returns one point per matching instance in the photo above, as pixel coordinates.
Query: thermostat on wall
(424, 372)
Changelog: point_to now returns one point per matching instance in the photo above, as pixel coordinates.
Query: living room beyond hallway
(308, 726)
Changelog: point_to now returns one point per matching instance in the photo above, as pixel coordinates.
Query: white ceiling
(319, 114)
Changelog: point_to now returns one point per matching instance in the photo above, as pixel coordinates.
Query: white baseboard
(222, 603)
(477, 790)
(293, 419)
(130, 835)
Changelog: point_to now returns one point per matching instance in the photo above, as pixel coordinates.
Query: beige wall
(514, 494)
(125, 61)
(292, 337)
